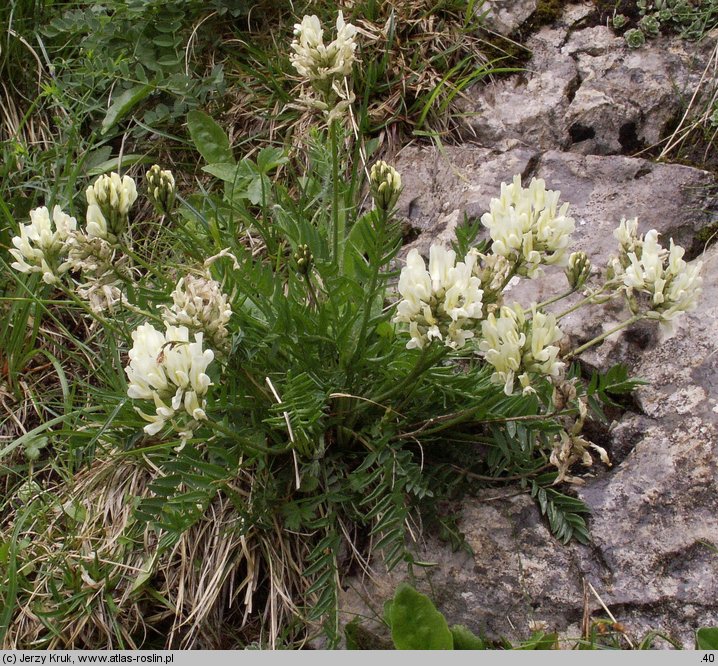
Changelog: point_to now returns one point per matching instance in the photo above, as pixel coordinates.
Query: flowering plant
(265, 379)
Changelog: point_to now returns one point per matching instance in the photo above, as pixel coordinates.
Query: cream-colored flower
(109, 200)
(169, 370)
(326, 68)
(578, 269)
(44, 243)
(541, 354)
(318, 62)
(199, 304)
(102, 295)
(527, 227)
(493, 270)
(627, 234)
(102, 267)
(502, 343)
(668, 284)
(512, 343)
(443, 302)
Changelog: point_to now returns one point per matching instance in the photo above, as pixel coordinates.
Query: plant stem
(382, 218)
(603, 336)
(151, 269)
(449, 420)
(586, 300)
(425, 361)
(313, 300)
(552, 300)
(335, 191)
(144, 313)
(106, 324)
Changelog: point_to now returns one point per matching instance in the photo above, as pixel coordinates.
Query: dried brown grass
(214, 588)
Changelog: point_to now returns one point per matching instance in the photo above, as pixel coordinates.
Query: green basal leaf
(707, 638)
(465, 639)
(209, 138)
(416, 624)
(127, 101)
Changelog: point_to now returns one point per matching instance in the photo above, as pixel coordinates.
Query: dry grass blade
(700, 109)
(100, 578)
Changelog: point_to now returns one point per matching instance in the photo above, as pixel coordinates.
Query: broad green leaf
(707, 638)
(416, 624)
(465, 639)
(270, 158)
(127, 101)
(227, 172)
(113, 164)
(209, 138)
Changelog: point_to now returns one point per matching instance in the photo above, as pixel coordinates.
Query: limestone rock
(464, 178)
(584, 89)
(626, 98)
(504, 16)
(528, 108)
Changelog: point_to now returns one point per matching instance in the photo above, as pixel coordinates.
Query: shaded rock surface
(586, 91)
(505, 16)
(584, 102)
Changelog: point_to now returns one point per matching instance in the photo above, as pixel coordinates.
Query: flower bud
(385, 185)
(109, 199)
(303, 258)
(160, 186)
(578, 269)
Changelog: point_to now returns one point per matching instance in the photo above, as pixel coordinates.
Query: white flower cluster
(442, 303)
(169, 370)
(94, 252)
(199, 304)
(527, 227)
(44, 243)
(644, 266)
(109, 200)
(511, 343)
(316, 61)
(325, 67)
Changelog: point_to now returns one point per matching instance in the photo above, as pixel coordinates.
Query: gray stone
(528, 108)
(627, 98)
(584, 89)
(464, 178)
(504, 16)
